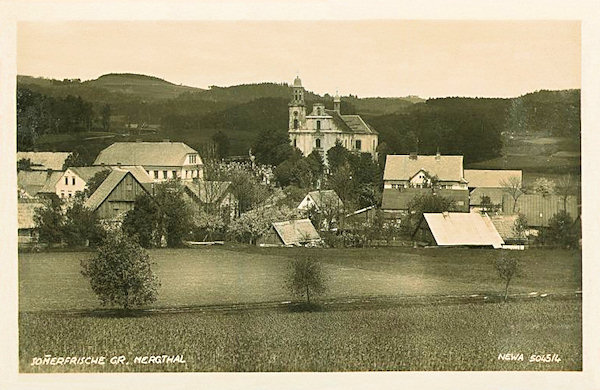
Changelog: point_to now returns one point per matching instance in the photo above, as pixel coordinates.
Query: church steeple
(297, 107)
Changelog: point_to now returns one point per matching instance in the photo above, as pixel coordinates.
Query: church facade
(322, 128)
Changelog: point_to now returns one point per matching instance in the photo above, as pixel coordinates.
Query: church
(320, 129)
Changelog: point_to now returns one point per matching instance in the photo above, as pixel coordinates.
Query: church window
(295, 123)
(318, 125)
(318, 143)
(294, 142)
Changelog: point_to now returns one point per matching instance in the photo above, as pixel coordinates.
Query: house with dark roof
(300, 232)
(322, 128)
(489, 183)
(457, 229)
(116, 195)
(161, 160)
(420, 171)
(395, 202)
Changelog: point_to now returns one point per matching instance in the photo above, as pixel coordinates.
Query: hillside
(142, 86)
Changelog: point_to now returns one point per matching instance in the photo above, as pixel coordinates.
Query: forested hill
(115, 103)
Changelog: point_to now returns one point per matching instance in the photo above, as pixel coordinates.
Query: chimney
(438, 155)
(49, 172)
(445, 214)
(337, 103)
(119, 164)
(413, 155)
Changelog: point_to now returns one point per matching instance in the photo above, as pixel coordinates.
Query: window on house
(62, 194)
(148, 172)
(318, 143)
(192, 159)
(164, 174)
(156, 174)
(73, 181)
(129, 186)
(174, 174)
(358, 144)
(295, 123)
(70, 194)
(318, 125)
(66, 181)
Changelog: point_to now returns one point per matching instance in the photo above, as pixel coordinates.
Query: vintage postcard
(348, 200)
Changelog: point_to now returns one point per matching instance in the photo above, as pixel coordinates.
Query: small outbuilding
(26, 221)
(300, 232)
(457, 229)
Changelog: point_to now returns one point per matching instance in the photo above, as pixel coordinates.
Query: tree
(512, 186)
(507, 268)
(565, 187)
(544, 186)
(120, 273)
(486, 204)
(81, 226)
(272, 147)
(23, 164)
(253, 224)
(49, 221)
(142, 221)
(222, 143)
(520, 226)
(561, 231)
(106, 111)
(93, 184)
(337, 156)
(306, 277)
(174, 216)
(74, 160)
(426, 204)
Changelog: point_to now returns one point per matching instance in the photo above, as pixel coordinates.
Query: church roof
(350, 123)
(297, 82)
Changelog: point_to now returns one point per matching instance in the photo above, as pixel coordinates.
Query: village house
(27, 229)
(161, 160)
(75, 179)
(457, 229)
(117, 193)
(418, 171)
(34, 184)
(321, 200)
(42, 161)
(322, 128)
(214, 196)
(490, 183)
(299, 232)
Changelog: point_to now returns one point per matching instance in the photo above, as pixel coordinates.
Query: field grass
(438, 337)
(240, 274)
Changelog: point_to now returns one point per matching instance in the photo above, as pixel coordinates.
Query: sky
(364, 58)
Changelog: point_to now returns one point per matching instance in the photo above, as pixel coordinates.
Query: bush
(561, 231)
(120, 273)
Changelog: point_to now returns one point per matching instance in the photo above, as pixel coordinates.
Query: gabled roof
(350, 123)
(540, 209)
(505, 225)
(45, 160)
(106, 188)
(208, 191)
(296, 232)
(403, 167)
(490, 177)
(168, 154)
(325, 198)
(398, 199)
(26, 211)
(34, 182)
(463, 229)
(86, 173)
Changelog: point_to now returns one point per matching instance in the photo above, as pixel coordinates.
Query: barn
(300, 232)
(457, 229)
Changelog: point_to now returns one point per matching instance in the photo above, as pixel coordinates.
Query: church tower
(297, 108)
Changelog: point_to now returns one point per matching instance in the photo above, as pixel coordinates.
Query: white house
(418, 171)
(75, 179)
(322, 128)
(161, 160)
(321, 200)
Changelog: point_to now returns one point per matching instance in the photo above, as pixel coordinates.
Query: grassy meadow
(241, 274)
(386, 309)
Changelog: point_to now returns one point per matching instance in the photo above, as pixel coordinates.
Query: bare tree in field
(306, 278)
(507, 268)
(565, 187)
(512, 186)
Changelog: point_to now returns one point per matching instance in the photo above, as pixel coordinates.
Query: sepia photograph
(297, 196)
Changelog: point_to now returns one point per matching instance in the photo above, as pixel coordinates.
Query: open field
(436, 337)
(240, 274)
